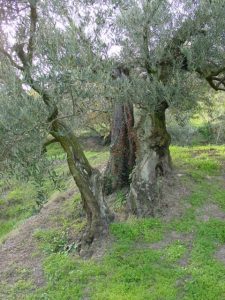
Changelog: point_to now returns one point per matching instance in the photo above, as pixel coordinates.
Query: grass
(134, 270)
(20, 199)
(16, 205)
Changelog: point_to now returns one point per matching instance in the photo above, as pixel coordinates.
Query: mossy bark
(153, 161)
(87, 179)
(122, 149)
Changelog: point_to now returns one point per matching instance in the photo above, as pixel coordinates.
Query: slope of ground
(177, 255)
(20, 260)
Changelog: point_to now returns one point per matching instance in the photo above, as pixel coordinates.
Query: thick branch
(173, 47)
(146, 50)
(211, 76)
(26, 58)
(33, 26)
(49, 142)
(46, 98)
(216, 87)
(5, 53)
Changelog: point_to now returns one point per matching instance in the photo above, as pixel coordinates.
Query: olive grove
(55, 56)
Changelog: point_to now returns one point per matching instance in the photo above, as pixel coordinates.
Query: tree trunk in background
(87, 179)
(122, 149)
(153, 161)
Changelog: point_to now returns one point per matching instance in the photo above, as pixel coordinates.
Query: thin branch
(27, 58)
(212, 76)
(99, 110)
(73, 101)
(46, 98)
(94, 130)
(63, 117)
(17, 138)
(145, 36)
(49, 142)
(146, 50)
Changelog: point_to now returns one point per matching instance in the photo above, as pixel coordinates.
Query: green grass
(207, 274)
(16, 205)
(20, 201)
(147, 230)
(132, 269)
(55, 151)
(126, 272)
(97, 158)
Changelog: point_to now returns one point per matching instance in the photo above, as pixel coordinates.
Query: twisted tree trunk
(87, 179)
(122, 149)
(153, 161)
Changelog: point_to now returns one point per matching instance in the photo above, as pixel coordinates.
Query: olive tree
(170, 46)
(45, 56)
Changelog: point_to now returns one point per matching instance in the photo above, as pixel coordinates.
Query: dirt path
(19, 254)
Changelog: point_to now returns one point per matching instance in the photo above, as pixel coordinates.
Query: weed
(120, 200)
(52, 241)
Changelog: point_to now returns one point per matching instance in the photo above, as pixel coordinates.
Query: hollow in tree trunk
(87, 179)
(122, 149)
(153, 161)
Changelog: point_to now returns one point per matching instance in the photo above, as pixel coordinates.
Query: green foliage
(201, 125)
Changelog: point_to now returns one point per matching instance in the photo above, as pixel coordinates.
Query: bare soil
(220, 254)
(209, 211)
(174, 189)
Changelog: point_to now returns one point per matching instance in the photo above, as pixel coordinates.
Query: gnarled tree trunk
(153, 161)
(88, 181)
(122, 148)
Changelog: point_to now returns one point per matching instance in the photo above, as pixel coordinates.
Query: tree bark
(87, 179)
(153, 161)
(122, 149)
